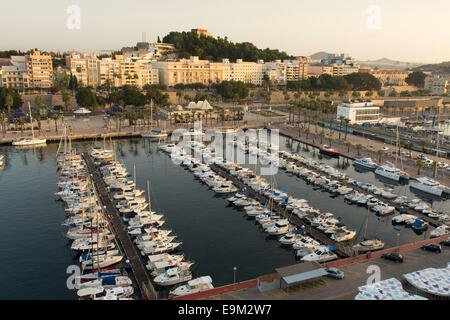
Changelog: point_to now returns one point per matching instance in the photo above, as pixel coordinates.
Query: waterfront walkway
(140, 273)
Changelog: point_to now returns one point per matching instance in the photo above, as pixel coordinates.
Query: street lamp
(398, 242)
(234, 273)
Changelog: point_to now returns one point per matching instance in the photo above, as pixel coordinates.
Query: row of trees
(354, 81)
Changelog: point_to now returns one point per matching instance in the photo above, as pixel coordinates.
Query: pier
(407, 210)
(140, 273)
(341, 249)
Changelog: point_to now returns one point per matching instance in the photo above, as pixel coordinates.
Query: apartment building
(341, 64)
(187, 71)
(358, 113)
(40, 70)
(391, 77)
(84, 67)
(15, 74)
(247, 72)
(437, 84)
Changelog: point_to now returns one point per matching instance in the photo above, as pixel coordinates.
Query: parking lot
(355, 275)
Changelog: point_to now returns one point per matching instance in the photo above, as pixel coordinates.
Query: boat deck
(140, 273)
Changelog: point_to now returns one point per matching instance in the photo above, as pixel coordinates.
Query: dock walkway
(340, 248)
(140, 273)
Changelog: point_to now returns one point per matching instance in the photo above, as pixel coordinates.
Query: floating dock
(140, 273)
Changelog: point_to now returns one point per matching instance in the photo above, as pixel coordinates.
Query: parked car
(446, 242)
(393, 257)
(334, 273)
(432, 247)
(385, 148)
(421, 157)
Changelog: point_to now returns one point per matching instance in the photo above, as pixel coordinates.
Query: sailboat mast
(396, 147)
(149, 203)
(31, 119)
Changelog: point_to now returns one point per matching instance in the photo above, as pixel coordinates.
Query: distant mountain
(385, 63)
(437, 68)
(319, 55)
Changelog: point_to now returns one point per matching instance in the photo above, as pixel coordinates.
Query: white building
(358, 113)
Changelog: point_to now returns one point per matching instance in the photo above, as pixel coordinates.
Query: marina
(168, 179)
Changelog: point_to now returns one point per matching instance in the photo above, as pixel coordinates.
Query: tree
(86, 97)
(66, 100)
(416, 78)
(420, 165)
(380, 153)
(348, 144)
(55, 117)
(359, 148)
(17, 99)
(423, 144)
(9, 101)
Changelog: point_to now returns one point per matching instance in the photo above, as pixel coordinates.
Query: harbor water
(215, 235)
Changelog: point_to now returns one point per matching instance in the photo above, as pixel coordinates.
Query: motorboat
(369, 245)
(290, 238)
(322, 254)
(365, 163)
(280, 227)
(392, 173)
(327, 150)
(430, 186)
(440, 231)
(193, 286)
(173, 276)
(155, 134)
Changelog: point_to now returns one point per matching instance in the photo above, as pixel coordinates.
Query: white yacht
(155, 134)
(193, 286)
(365, 163)
(29, 141)
(430, 186)
(392, 173)
(368, 245)
(322, 254)
(173, 276)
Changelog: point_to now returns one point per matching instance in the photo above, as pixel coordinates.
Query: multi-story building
(15, 74)
(437, 84)
(358, 113)
(40, 70)
(391, 77)
(342, 64)
(247, 72)
(187, 71)
(84, 67)
(202, 32)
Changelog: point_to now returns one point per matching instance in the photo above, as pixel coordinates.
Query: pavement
(356, 275)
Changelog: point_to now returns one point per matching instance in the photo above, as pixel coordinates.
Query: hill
(319, 55)
(215, 49)
(438, 68)
(385, 63)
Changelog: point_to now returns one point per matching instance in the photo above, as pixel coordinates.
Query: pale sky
(409, 30)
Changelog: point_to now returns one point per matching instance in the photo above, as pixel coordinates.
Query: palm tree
(307, 132)
(341, 120)
(359, 148)
(420, 165)
(434, 165)
(346, 127)
(331, 122)
(55, 117)
(348, 144)
(423, 144)
(3, 119)
(330, 139)
(380, 153)
(321, 134)
(9, 101)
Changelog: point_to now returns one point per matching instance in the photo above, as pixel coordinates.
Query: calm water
(35, 253)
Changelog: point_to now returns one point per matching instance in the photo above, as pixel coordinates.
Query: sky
(404, 30)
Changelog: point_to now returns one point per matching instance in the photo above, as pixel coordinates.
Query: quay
(354, 268)
(340, 248)
(140, 273)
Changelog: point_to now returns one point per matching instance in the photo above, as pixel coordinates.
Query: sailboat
(29, 141)
(391, 171)
(368, 244)
(154, 134)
